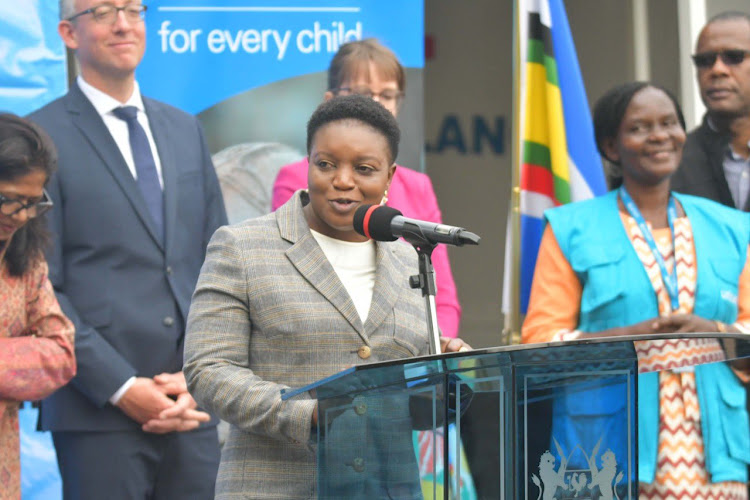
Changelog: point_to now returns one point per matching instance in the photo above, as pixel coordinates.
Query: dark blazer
(701, 172)
(126, 292)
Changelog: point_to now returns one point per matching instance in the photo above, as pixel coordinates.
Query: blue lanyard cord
(669, 279)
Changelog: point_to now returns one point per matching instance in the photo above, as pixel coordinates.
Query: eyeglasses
(10, 206)
(388, 95)
(107, 13)
(731, 57)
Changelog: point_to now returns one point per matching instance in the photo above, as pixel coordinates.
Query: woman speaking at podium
(642, 260)
(368, 68)
(297, 295)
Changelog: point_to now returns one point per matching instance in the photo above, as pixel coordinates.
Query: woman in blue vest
(642, 260)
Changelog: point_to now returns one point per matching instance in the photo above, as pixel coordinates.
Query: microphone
(382, 223)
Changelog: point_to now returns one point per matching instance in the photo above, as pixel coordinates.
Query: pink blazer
(410, 192)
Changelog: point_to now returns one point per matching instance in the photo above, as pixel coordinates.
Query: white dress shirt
(104, 104)
(737, 172)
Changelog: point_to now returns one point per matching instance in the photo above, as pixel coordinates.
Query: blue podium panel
(544, 421)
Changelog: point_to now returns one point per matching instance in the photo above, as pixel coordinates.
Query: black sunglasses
(731, 57)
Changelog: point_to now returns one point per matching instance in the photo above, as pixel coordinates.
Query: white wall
(470, 76)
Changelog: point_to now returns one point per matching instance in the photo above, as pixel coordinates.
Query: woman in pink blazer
(368, 68)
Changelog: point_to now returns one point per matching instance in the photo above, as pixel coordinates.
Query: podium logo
(559, 482)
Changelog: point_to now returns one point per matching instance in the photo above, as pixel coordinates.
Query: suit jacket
(701, 172)
(412, 193)
(126, 292)
(270, 313)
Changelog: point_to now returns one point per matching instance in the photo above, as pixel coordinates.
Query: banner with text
(253, 71)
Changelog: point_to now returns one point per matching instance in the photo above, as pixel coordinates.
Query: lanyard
(669, 279)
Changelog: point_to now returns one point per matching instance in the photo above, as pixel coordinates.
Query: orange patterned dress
(36, 357)
(681, 467)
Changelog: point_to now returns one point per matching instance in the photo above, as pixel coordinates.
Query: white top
(104, 104)
(354, 263)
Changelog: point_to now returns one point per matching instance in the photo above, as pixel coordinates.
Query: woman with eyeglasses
(368, 68)
(642, 260)
(36, 339)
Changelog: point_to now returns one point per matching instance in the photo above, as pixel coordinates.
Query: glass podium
(538, 421)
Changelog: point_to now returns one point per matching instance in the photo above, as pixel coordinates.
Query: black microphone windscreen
(380, 223)
(374, 221)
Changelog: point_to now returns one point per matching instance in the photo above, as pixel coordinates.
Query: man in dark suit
(136, 201)
(716, 158)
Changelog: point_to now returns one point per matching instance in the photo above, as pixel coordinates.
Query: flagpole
(512, 333)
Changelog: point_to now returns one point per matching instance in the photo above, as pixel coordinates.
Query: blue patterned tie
(145, 167)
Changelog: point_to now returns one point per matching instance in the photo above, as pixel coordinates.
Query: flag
(556, 158)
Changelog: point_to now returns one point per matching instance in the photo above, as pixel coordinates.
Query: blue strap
(669, 279)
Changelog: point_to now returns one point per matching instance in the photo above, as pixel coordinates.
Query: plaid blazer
(269, 313)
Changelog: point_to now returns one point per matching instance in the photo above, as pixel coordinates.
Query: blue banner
(200, 53)
(253, 72)
(32, 66)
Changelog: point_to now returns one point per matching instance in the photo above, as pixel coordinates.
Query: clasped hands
(682, 323)
(162, 404)
(676, 323)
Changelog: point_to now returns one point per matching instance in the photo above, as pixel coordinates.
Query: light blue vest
(617, 292)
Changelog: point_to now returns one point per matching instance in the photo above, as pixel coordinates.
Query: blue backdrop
(198, 56)
(32, 56)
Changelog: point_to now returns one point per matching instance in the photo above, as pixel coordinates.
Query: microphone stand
(424, 237)
(425, 281)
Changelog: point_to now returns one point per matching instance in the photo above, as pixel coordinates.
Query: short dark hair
(25, 148)
(359, 108)
(355, 57)
(730, 15)
(609, 111)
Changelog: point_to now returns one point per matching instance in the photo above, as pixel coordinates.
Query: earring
(385, 198)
